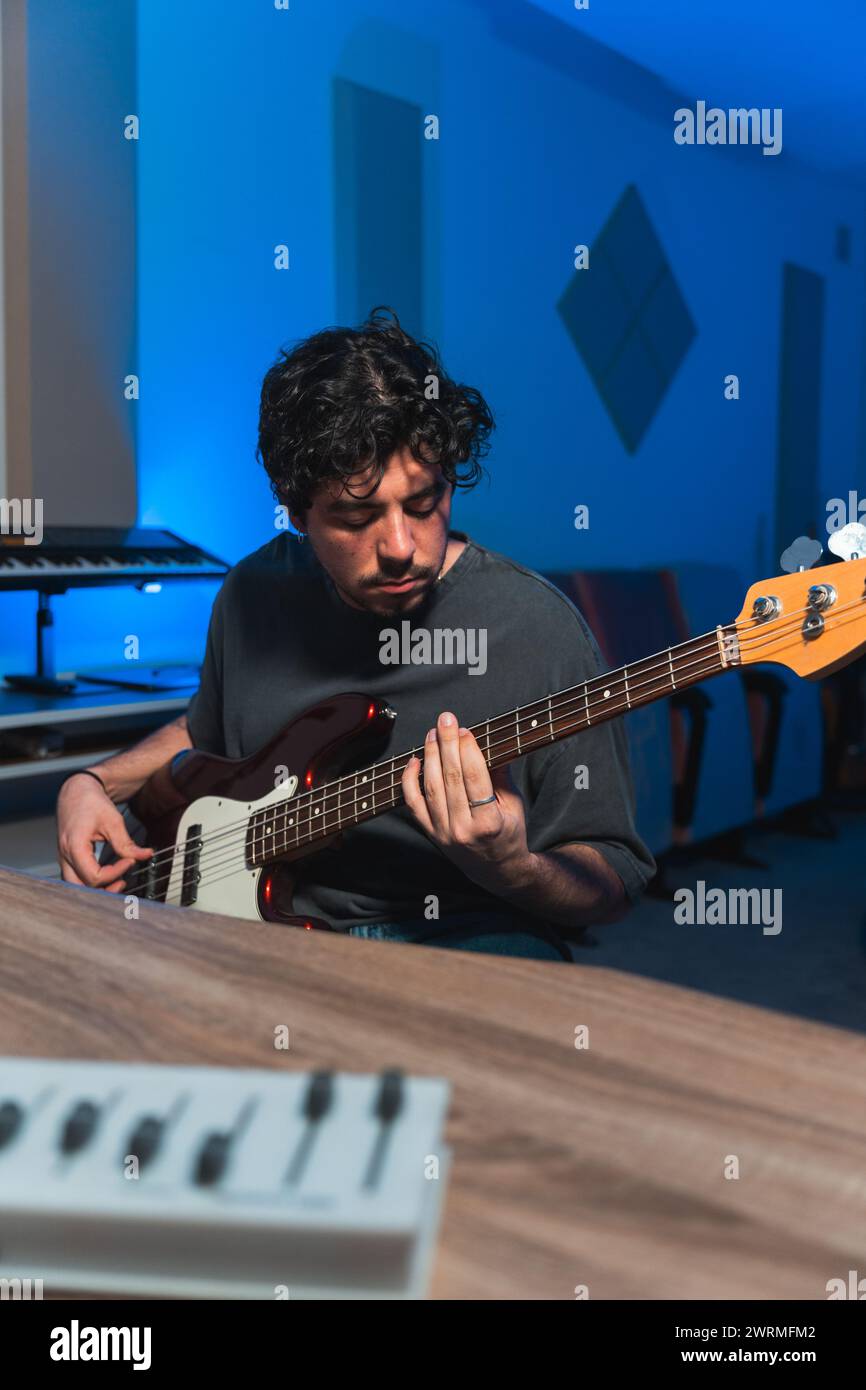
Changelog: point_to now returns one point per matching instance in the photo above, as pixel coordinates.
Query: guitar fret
(550, 718)
(625, 677)
(671, 663)
(586, 700)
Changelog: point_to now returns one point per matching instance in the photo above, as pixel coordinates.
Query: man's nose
(396, 543)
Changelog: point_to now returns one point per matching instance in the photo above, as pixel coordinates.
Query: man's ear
(297, 521)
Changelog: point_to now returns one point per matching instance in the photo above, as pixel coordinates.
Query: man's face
(384, 551)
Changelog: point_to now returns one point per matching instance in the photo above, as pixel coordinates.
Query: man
(365, 439)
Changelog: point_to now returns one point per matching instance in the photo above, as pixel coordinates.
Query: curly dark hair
(346, 399)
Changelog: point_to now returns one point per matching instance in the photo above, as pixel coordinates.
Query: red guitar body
(325, 741)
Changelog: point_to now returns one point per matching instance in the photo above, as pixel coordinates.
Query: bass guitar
(228, 840)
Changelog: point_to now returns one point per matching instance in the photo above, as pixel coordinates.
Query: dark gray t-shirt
(282, 639)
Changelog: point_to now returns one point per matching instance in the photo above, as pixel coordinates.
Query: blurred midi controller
(206, 1182)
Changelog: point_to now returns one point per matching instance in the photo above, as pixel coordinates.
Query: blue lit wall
(541, 132)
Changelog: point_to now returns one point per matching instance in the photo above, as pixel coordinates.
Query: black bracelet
(84, 772)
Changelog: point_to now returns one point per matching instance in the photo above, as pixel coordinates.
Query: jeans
(500, 934)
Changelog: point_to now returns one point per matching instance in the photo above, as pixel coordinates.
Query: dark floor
(816, 965)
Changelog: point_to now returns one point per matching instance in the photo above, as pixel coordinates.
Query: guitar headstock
(813, 621)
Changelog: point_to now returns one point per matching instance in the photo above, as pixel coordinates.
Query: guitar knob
(849, 543)
(765, 607)
(802, 554)
(821, 596)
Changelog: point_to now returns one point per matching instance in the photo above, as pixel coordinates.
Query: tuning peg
(801, 555)
(850, 542)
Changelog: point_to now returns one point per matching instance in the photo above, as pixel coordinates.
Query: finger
(88, 868)
(116, 887)
(118, 837)
(456, 800)
(476, 774)
(413, 795)
(80, 855)
(434, 787)
(109, 872)
(68, 874)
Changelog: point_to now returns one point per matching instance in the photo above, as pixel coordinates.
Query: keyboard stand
(44, 681)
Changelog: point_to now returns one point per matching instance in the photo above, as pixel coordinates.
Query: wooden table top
(601, 1166)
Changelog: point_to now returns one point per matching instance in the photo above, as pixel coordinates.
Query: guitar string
(388, 769)
(377, 770)
(228, 853)
(214, 876)
(574, 694)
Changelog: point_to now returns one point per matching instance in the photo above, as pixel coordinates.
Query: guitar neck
(324, 811)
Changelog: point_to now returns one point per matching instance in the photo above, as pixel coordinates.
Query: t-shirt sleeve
(580, 790)
(204, 714)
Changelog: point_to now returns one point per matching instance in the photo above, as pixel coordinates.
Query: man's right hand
(86, 814)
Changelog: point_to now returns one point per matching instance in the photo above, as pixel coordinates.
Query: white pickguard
(227, 885)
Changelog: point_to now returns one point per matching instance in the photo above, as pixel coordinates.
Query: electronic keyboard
(76, 556)
(206, 1182)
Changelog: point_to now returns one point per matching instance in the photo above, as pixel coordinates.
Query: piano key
(82, 555)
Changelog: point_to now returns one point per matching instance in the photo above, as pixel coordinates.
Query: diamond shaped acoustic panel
(627, 318)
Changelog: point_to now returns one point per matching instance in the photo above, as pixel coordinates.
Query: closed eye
(362, 525)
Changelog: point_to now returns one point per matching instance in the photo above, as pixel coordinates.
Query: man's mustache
(397, 578)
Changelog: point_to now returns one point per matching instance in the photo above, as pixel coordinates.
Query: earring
(302, 536)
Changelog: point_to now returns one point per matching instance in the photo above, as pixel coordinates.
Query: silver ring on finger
(485, 801)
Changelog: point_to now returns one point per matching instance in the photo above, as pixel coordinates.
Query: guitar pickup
(191, 866)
